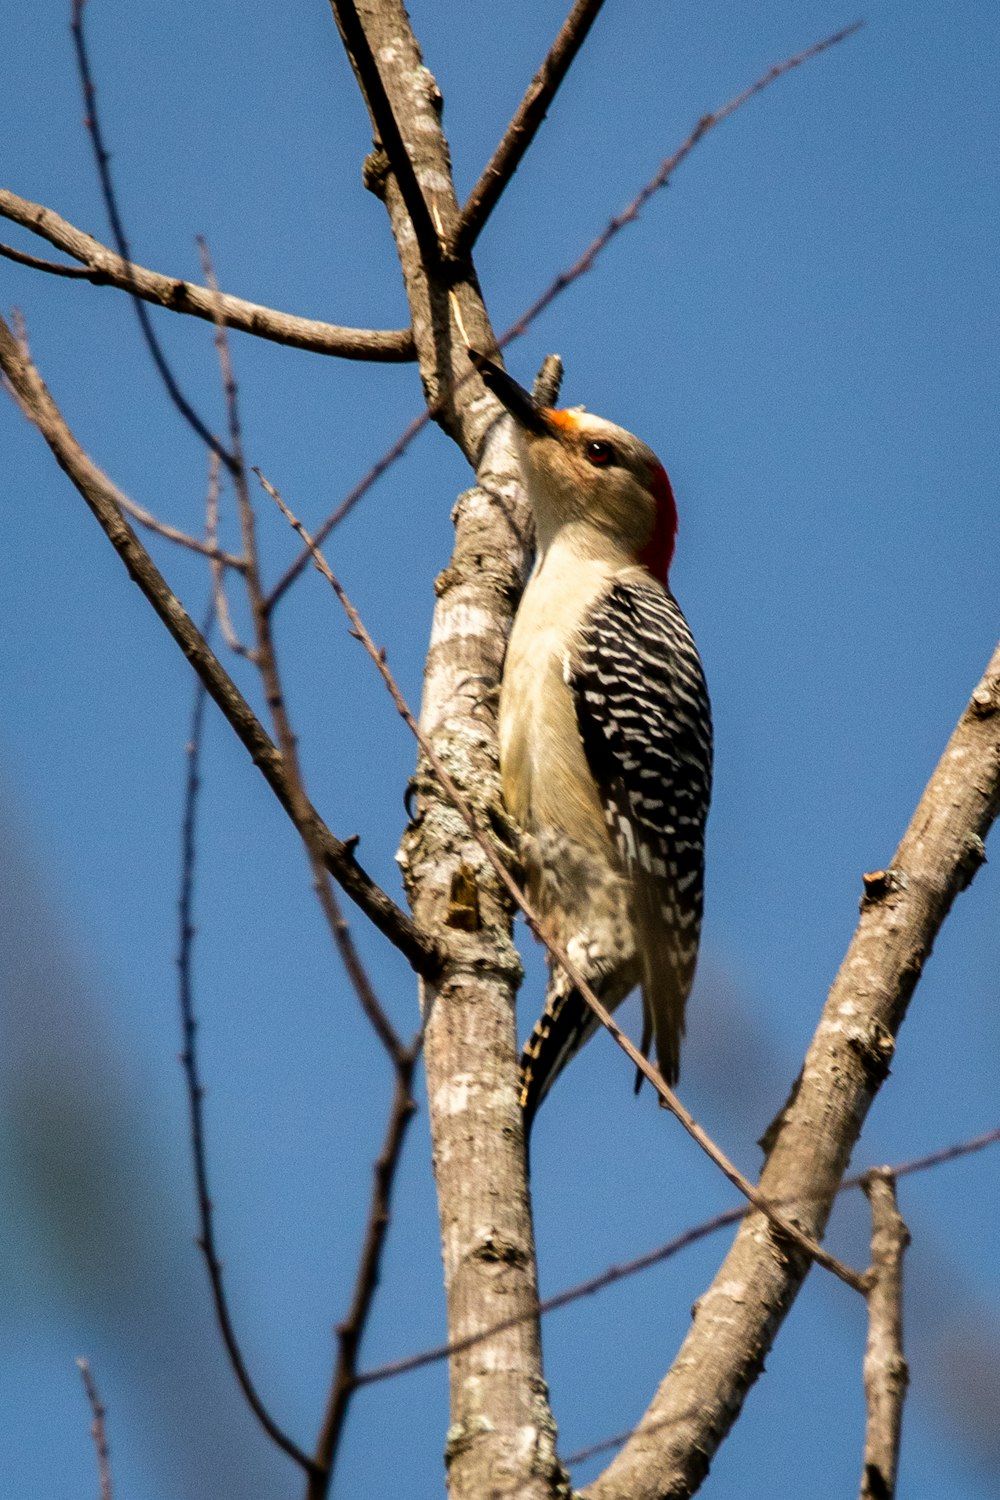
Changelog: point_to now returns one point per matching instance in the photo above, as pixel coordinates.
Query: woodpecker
(605, 733)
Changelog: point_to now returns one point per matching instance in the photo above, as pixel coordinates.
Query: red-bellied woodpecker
(605, 733)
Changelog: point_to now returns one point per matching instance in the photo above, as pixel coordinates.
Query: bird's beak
(520, 403)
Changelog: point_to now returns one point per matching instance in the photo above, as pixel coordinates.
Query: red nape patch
(658, 552)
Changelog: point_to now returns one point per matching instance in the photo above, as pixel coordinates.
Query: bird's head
(581, 468)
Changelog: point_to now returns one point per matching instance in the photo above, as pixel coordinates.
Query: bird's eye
(599, 452)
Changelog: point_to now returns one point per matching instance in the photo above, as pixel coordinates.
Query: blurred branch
(809, 1145)
(196, 1091)
(524, 126)
(102, 267)
(102, 498)
(885, 1370)
(98, 1429)
(220, 599)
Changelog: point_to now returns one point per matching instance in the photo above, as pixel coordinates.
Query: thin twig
(607, 1445)
(524, 126)
(98, 1428)
(102, 498)
(265, 658)
(663, 174)
(220, 598)
(208, 548)
(558, 285)
(102, 267)
(219, 559)
(351, 1330)
(103, 159)
(196, 1092)
(886, 1375)
(38, 264)
(803, 1242)
(350, 500)
(613, 1274)
(390, 138)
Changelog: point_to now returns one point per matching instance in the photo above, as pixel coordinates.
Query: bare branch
(208, 548)
(196, 1092)
(885, 1368)
(736, 1321)
(218, 557)
(524, 126)
(98, 1429)
(101, 497)
(397, 156)
(104, 268)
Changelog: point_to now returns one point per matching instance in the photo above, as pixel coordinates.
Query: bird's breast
(546, 781)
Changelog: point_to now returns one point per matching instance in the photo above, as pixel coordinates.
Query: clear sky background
(805, 328)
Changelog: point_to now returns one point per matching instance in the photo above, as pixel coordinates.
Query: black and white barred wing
(644, 717)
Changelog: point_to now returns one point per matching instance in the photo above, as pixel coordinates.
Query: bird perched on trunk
(605, 733)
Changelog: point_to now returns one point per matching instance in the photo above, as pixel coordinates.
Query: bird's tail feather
(560, 1031)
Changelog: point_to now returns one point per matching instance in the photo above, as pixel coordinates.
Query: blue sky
(804, 326)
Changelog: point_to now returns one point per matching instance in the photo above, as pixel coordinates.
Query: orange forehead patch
(568, 421)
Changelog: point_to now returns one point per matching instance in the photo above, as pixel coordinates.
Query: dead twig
(53, 267)
(886, 1374)
(208, 548)
(103, 160)
(220, 599)
(98, 1428)
(663, 174)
